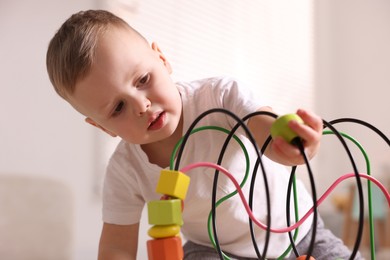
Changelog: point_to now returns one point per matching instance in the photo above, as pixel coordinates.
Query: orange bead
(303, 257)
(165, 249)
(167, 197)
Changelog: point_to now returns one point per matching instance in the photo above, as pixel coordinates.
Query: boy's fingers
(306, 132)
(282, 147)
(303, 131)
(311, 119)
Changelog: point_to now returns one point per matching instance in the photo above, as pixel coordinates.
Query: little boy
(109, 73)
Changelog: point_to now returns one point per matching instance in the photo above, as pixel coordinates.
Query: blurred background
(330, 56)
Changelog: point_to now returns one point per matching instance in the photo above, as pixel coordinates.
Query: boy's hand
(310, 133)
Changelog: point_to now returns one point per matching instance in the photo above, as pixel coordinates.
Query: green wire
(229, 195)
(176, 148)
(287, 251)
(211, 236)
(368, 166)
(372, 235)
(220, 201)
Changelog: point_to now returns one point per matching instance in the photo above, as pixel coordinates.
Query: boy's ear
(162, 57)
(92, 122)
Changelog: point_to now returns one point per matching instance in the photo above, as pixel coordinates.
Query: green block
(165, 212)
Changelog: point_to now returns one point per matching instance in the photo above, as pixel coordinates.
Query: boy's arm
(279, 150)
(118, 242)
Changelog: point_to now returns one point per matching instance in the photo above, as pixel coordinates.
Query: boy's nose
(141, 105)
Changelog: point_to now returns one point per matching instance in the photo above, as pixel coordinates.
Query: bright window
(266, 44)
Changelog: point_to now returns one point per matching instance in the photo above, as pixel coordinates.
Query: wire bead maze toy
(165, 215)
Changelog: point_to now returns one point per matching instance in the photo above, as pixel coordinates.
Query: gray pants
(327, 247)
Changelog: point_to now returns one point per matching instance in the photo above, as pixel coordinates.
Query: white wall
(267, 44)
(352, 79)
(41, 135)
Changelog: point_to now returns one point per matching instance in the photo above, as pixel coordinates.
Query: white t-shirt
(131, 179)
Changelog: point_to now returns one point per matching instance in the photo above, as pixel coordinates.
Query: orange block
(165, 249)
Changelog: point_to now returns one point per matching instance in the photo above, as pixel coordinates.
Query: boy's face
(128, 91)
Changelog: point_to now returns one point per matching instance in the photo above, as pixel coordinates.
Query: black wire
(251, 227)
(358, 180)
(241, 123)
(360, 191)
(288, 214)
(301, 148)
(299, 144)
(366, 124)
(178, 158)
(258, 161)
(252, 140)
(359, 188)
(252, 185)
(250, 203)
(361, 213)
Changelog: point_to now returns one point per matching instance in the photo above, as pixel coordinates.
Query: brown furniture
(345, 203)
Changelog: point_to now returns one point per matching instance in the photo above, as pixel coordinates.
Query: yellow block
(173, 183)
(164, 231)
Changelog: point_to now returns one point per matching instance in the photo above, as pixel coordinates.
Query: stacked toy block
(165, 216)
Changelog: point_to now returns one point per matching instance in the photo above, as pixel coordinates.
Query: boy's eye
(144, 79)
(118, 108)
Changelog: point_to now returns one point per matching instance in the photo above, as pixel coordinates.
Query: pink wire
(300, 222)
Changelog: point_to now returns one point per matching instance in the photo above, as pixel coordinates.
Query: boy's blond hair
(72, 49)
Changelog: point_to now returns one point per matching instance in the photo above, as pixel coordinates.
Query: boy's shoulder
(122, 151)
(218, 81)
(209, 86)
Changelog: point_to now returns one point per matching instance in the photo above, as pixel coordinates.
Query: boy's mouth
(156, 121)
